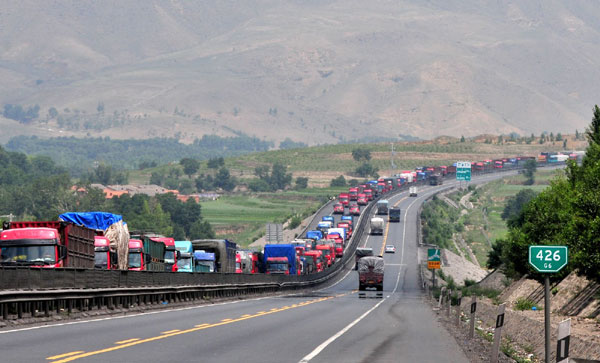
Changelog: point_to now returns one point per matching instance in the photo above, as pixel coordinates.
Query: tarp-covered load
(112, 226)
(364, 251)
(365, 264)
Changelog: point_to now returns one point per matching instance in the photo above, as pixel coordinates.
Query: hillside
(315, 71)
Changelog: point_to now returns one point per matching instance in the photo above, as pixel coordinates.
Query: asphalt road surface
(332, 324)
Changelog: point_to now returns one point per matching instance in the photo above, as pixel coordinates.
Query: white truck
(376, 225)
(412, 191)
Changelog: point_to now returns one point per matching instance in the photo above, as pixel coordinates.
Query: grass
(243, 217)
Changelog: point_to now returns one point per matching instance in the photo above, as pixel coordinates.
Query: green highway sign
(463, 170)
(548, 258)
(434, 260)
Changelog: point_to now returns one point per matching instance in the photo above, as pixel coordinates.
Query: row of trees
(566, 213)
(34, 188)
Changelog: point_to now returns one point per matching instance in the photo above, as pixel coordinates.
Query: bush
(258, 185)
(525, 304)
(340, 181)
(295, 221)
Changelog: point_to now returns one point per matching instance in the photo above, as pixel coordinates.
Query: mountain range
(316, 71)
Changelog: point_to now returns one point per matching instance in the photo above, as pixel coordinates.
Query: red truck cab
(238, 263)
(171, 252)
(348, 227)
(104, 258)
(369, 194)
(136, 255)
(343, 198)
(338, 208)
(353, 193)
(317, 257)
(362, 199)
(277, 265)
(31, 247)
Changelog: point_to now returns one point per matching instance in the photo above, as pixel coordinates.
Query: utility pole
(392, 158)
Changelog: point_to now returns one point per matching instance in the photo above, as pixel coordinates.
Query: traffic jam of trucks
(102, 240)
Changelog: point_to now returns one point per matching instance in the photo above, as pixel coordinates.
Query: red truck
(348, 227)
(277, 265)
(362, 199)
(47, 244)
(369, 194)
(136, 255)
(105, 258)
(353, 193)
(171, 252)
(343, 198)
(317, 259)
(338, 208)
(370, 272)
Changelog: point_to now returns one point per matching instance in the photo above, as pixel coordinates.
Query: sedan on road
(390, 249)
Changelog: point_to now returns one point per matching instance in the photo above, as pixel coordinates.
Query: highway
(331, 324)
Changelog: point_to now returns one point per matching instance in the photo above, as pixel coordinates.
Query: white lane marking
(324, 345)
(333, 338)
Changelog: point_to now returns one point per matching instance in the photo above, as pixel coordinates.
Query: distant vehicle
(137, 256)
(105, 258)
(394, 215)
(360, 253)
(350, 219)
(314, 235)
(317, 260)
(352, 193)
(343, 198)
(204, 261)
(370, 272)
(369, 194)
(224, 252)
(382, 206)
(354, 210)
(328, 219)
(185, 261)
(436, 179)
(280, 259)
(377, 225)
(390, 249)
(338, 208)
(324, 226)
(362, 199)
(412, 191)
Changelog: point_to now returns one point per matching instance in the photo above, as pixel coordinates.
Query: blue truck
(314, 234)
(274, 252)
(223, 249)
(204, 261)
(185, 261)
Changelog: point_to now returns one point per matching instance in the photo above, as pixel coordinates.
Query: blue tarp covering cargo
(93, 220)
(316, 235)
(282, 250)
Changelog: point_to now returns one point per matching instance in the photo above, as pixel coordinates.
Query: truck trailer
(370, 272)
(376, 225)
(47, 244)
(223, 249)
(274, 255)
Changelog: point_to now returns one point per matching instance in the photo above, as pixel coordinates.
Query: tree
(593, 131)
(340, 181)
(215, 163)
(157, 178)
(462, 138)
(224, 180)
(361, 153)
(259, 185)
(100, 107)
(201, 230)
(52, 112)
(500, 139)
(301, 182)
(530, 169)
(279, 178)
(513, 209)
(365, 170)
(495, 254)
(190, 166)
(559, 137)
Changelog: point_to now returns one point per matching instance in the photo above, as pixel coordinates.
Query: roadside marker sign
(434, 261)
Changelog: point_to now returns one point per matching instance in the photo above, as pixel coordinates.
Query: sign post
(458, 303)
(548, 259)
(473, 310)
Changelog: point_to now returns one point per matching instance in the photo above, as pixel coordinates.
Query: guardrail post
(449, 302)
(497, 334)
(563, 340)
(19, 310)
(473, 310)
(4, 308)
(442, 291)
(458, 303)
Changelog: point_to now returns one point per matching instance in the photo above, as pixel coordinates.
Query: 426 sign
(548, 258)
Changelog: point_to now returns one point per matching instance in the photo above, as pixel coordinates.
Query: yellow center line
(387, 228)
(170, 331)
(246, 315)
(127, 341)
(64, 355)
(76, 355)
